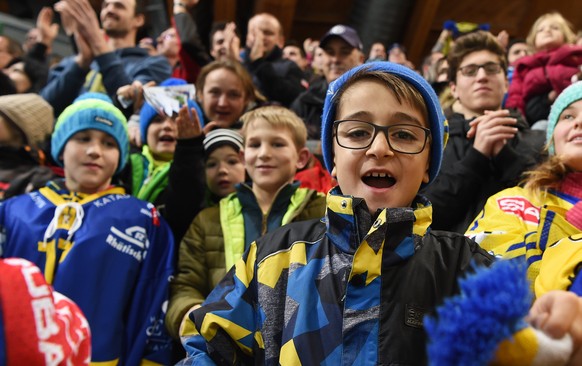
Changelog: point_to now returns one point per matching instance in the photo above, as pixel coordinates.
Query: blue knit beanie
(439, 128)
(147, 113)
(571, 94)
(93, 111)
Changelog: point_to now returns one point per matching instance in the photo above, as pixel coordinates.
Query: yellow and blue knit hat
(439, 128)
(571, 94)
(91, 111)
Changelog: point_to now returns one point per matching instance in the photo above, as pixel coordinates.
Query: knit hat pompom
(222, 137)
(571, 94)
(31, 114)
(91, 111)
(438, 125)
(147, 112)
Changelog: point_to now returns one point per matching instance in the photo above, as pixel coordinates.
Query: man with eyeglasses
(489, 148)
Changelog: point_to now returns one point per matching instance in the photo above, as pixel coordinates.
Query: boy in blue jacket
(351, 288)
(109, 252)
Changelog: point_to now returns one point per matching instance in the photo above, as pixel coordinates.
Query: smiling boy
(274, 149)
(108, 251)
(352, 288)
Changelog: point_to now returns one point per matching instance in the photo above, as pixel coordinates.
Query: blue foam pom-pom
(490, 308)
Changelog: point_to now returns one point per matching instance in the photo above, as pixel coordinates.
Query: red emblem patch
(521, 207)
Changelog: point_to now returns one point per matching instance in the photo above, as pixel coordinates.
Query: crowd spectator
(541, 221)
(167, 170)
(109, 252)
(343, 50)
(9, 49)
(274, 148)
(516, 49)
(224, 167)
(26, 121)
(278, 79)
(428, 68)
(540, 77)
(397, 54)
(377, 52)
(225, 92)
(27, 74)
(149, 44)
(107, 58)
(224, 41)
(294, 51)
(488, 147)
(181, 43)
(338, 290)
(39, 40)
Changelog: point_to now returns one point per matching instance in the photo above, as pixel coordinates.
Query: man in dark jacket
(102, 64)
(343, 50)
(489, 148)
(277, 78)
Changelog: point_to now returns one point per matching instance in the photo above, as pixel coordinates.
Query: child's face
(224, 169)
(568, 136)
(270, 155)
(161, 137)
(549, 35)
(90, 159)
(383, 177)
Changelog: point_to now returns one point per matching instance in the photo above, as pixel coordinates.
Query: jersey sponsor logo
(37, 199)
(101, 202)
(133, 241)
(521, 207)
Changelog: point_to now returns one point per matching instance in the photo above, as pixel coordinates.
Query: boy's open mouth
(379, 180)
(167, 138)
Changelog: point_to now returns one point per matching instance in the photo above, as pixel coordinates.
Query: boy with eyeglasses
(489, 147)
(353, 287)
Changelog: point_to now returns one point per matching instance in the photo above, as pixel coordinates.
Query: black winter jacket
(467, 178)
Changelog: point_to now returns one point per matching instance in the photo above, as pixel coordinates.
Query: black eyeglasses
(491, 68)
(402, 138)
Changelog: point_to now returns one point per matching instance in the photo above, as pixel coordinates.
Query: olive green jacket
(215, 241)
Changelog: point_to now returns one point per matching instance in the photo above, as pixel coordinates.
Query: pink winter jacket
(541, 72)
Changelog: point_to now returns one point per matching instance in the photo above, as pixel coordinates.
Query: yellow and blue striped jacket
(351, 289)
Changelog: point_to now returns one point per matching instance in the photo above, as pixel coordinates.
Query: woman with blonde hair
(542, 221)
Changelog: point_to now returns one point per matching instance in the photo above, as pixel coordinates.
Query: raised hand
(47, 29)
(188, 124)
(232, 42)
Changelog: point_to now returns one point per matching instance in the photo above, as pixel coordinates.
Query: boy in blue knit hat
(352, 287)
(109, 252)
(167, 171)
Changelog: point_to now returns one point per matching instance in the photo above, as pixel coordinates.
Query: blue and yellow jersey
(109, 252)
(516, 223)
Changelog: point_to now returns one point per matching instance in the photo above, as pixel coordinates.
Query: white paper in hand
(168, 100)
